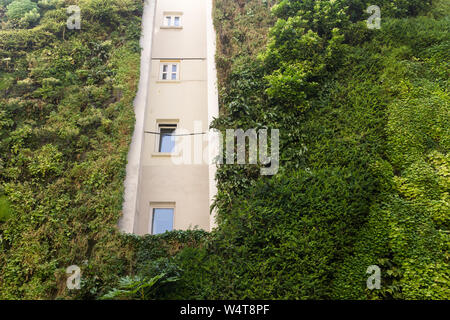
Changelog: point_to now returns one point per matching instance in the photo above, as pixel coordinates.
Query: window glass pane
(167, 140)
(174, 72)
(165, 68)
(177, 21)
(162, 220)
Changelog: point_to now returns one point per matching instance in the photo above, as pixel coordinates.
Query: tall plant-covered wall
(66, 119)
(364, 126)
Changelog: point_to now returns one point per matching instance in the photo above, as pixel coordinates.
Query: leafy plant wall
(364, 168)
(66, 119)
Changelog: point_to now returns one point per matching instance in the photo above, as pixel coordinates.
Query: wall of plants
(364, 128)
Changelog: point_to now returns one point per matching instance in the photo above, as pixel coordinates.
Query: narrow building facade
(170, 177)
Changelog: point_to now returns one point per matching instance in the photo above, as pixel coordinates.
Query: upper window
(167, 138)
(170, 71)
(162, 220)
(172, 20)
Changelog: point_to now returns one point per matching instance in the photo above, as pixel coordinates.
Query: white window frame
(169, 71)
(169, 20)
(158, 141)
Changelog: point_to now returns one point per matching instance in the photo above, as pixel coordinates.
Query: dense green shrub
(18, 8)
(64, 139)
(286, 239)
(370, 105)
(5, 209)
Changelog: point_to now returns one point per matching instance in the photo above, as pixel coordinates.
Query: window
(162, 220)
(172, 20)
(168, 21)
(167, 138)
(170, 71)
(161, 217)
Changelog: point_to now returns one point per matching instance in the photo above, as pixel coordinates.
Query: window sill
(175, 28)
(165, 154)
(168, 81)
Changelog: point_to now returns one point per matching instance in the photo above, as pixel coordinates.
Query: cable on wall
(176, 135)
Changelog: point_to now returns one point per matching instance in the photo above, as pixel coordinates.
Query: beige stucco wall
(188, 190)
(188, 42)
(161, 181)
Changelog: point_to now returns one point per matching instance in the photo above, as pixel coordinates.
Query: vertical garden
(364, 120)
(66, 119)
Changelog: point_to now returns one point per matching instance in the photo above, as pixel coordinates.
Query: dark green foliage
(363, 116)
(139, 288)
(286, 238)
(162, 267)
(153, 247)
(5, 209)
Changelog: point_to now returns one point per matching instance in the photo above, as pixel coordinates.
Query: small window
(172, 21)
(170, 71)
(167, 138)
(162, 220)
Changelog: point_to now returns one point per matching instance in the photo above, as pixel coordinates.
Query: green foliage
(288, 236)
(31, 16)
(160, 267)
(340, 10)
(50, 3)
(364, 166)
(368, 106)
(138, 288)
(19, 8)
(66, 121)
(5, 209)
